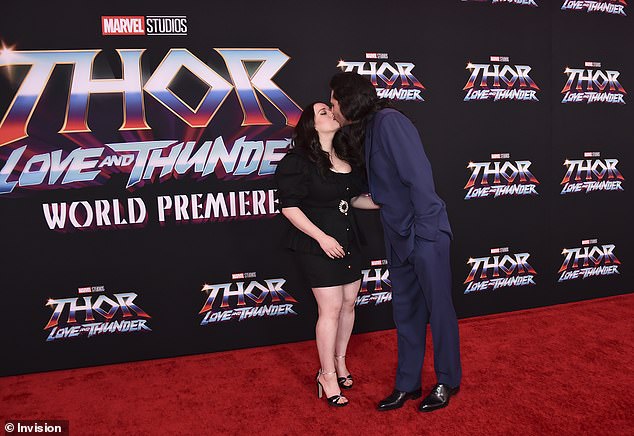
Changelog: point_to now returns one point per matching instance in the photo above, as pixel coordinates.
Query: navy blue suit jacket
(400, 181)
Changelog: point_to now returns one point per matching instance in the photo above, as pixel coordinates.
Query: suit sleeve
(403, 146)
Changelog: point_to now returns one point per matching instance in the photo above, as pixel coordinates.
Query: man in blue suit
(417, 237)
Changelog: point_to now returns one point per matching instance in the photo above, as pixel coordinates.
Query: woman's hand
(331, 247)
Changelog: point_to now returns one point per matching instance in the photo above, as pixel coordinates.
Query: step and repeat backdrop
(138, 141)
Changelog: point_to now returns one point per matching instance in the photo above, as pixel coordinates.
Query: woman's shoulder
(293, 160)
(294, 154)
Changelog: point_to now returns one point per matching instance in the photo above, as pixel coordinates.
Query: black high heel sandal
(342, 380)
(334, 400)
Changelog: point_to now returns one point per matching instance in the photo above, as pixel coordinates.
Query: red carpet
(564, 369)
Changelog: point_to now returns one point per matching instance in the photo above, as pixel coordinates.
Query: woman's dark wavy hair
(357, 101)
(306, 141)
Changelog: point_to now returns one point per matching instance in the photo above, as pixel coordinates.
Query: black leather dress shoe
(438, 398)
(397, 399)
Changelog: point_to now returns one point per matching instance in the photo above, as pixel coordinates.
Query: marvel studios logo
(90, 289)
(500, 59)
(151, 25)
(376, 56)
(499, 250)
(589, 241)
(500, 155)
(591, 154)
(243, 275)
(379, 262)
(593, 64)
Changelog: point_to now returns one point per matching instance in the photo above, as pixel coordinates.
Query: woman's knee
(330, 310)
(347, 305)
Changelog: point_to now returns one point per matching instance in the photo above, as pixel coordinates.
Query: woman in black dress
(318, 180)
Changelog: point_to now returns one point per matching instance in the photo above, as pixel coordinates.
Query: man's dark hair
(357, 101)
(356, 95)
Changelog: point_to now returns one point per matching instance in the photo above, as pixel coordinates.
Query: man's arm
(402, 144)
(364, 201)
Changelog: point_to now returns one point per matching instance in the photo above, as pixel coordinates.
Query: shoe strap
(339, 357)
(335, 399)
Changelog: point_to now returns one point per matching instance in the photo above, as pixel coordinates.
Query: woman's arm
(327, 243)
(364, 201)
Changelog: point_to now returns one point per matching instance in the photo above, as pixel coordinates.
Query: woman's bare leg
(329, 302)
(346, 323)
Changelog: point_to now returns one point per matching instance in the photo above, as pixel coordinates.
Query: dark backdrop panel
(175, 267)
(602, 129)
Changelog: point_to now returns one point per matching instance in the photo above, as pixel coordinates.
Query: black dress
(325, 200)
